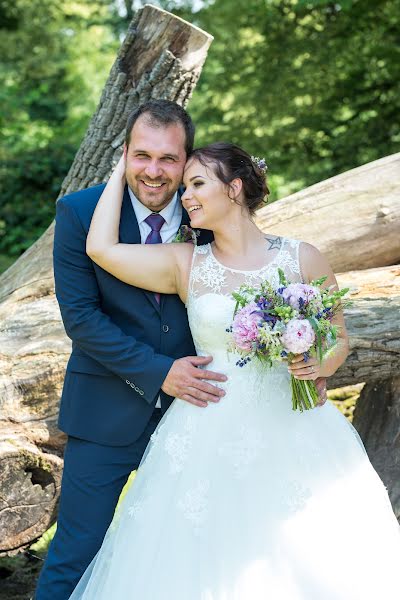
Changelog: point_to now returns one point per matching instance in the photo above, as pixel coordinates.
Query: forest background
(311, 85)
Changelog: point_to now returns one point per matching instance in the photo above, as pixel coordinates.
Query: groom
(132, 351)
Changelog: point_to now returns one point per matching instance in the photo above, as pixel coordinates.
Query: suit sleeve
(89, 328)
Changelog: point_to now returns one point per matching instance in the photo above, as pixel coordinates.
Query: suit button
(141, 392)
(132, 385)
(128, 382)
(165, 328)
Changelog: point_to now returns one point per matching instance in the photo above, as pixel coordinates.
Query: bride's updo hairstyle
(229, 162)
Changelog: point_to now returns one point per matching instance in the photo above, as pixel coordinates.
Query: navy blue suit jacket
(123, 341)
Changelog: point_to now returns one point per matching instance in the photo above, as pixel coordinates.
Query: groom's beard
(155, 199)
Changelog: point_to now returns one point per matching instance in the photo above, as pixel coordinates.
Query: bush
(29, 186)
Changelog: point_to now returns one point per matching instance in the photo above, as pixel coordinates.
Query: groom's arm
(87, 325)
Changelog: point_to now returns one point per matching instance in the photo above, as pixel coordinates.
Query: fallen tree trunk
(373, 323)
(353, 218)
(30, 484)
(377, 413)
(377, 418)
(376, 293)
(161, 57)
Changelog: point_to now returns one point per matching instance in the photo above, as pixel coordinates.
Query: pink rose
(299, 336)
(245, 326)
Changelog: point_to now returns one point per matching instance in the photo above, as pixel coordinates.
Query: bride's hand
(120, 167)
(302, 369)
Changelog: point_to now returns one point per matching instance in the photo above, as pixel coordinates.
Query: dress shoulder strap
(199, 262)
(289, 259)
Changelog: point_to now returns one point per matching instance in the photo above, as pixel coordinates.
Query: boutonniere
(186, 234)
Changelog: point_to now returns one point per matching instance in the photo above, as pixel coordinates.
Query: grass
(345, 399)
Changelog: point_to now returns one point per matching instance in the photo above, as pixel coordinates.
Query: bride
(244, 499)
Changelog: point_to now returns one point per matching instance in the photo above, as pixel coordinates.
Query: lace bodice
(210, 304)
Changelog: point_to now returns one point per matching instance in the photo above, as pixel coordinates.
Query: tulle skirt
(248, 500)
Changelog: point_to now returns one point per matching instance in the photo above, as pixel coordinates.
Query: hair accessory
(260, 163)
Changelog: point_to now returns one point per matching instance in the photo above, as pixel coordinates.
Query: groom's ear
(125, 150)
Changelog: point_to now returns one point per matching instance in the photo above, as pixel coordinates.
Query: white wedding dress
(246, 499)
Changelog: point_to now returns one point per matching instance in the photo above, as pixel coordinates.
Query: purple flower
(299, 295)
(245, 326)
(264, 304)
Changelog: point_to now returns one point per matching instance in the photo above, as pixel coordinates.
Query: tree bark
(373, 323)
(161, 57)
(353, 218)
(30, 483)
(377, 417)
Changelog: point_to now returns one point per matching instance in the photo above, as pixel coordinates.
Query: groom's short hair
(163, 113)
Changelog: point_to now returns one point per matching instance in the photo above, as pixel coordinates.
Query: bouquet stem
(304, 394)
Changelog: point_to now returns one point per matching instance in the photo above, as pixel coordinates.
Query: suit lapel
(128, 228)
(129, 234)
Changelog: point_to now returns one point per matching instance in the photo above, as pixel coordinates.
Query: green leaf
(315, 325)
(282, 277)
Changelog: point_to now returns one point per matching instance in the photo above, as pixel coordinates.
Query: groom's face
(155, 159)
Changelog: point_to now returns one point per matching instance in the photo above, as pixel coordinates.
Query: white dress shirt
(172, 215)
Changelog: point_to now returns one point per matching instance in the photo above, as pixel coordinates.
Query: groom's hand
(186, 381)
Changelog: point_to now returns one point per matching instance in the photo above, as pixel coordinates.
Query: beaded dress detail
(246, 499)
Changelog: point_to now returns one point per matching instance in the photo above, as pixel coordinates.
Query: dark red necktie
(155, 221)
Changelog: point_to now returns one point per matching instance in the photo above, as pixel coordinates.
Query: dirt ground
(18, 575)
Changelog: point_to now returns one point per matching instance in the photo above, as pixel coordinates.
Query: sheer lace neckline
(209, 276)
(244, 271)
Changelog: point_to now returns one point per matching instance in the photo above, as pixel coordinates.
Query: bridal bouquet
(274, 325)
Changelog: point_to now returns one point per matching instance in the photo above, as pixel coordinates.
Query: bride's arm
(160, 268)
(314, 265)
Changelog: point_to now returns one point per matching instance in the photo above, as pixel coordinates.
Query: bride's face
(206, 197)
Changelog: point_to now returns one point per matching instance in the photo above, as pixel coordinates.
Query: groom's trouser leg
(93, 478)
